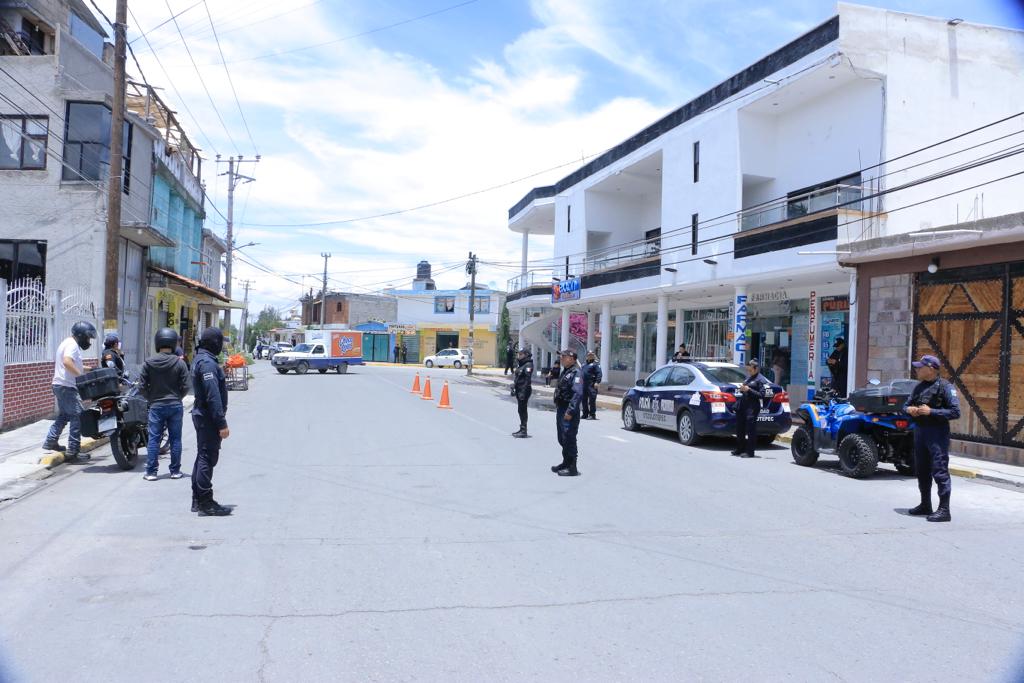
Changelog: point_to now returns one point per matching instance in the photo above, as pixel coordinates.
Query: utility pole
(323, 295)
(245, 315)
(471, 269)
(234, 180)
(110, 312)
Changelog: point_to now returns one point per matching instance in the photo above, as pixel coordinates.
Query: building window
(696, 161)
(652, 242)
(568, 218)
(86, 141)
(126, 168)
(337, 307)
(694, 228)
(34, 37)
(23, 142)
(21, 259)
(482, 304)
(89, 37)
(444, 304)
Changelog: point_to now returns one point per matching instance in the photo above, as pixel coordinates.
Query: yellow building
(183, 304)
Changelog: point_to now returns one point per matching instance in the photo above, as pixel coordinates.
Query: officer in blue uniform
(208, 416)
(754, 393)
(932, 404)
(568, 403)
(592, 376)
(522, 388)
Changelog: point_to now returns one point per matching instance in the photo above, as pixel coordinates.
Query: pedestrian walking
(112, 357)
(209, 418)
(568, 400)
(592, 376)
(164, 383)
(754, 393)
(67, 366)
(932, 404)
(682, 355)
(522, 388)
(838, 364)
(510, 353)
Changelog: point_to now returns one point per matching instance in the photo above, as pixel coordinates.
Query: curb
(603, 401)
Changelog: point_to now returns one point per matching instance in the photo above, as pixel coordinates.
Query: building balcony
(533, 283)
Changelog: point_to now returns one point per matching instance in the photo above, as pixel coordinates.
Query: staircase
(545, 333)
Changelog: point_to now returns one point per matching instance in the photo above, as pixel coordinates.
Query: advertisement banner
(566, 290)
(739, 354)
(346, 344)
(396, 328)
(812, 342)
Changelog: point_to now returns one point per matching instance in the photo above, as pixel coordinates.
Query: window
(23, 142)
(568, 218)
(482, 304)
(696, 161)
(444, 304)
(652, 240)
(681, 377)
(318, 349)
(34, 37)
(725, 374)
(337, 307)
(22, 258)
(694, 228)
(86, 141)
(90, 38)
(659, 378)
(126, 159)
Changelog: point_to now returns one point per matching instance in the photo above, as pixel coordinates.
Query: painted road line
(616, 438)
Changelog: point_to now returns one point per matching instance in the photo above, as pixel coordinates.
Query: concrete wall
(27, 392)
(890, 319)
(418, 307)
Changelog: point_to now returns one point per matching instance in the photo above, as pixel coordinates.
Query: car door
(649, 397)
(684, 387)
(444, 358)
(317, 355)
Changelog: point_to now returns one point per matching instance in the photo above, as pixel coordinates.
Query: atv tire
(802, 447)
(858, 456)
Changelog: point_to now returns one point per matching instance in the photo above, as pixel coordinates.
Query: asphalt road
(377, 537)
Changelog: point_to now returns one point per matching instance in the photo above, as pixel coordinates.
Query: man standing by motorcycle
(164, 380)
(67, 367)
(208, 417)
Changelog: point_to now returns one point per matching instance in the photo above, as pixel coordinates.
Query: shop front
(184, 305)
(430, 340)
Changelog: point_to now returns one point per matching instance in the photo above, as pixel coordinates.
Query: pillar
(739, 326)
(679, 328)
(638, 357)
(661, 337)
(591, 319)
(565, 329)
(526, 251)
(851, 336)
(606, 340)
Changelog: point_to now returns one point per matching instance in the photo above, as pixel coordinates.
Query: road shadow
(833, 467)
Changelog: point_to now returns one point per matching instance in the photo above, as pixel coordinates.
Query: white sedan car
(448, 357)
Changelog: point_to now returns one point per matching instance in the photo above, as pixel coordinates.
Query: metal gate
(130, 296)
(972, 319)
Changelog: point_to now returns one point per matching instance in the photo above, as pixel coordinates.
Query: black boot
(924, 509)
(570, 470)
(521, 434)
(560, 466)
(212, 508)
(195, 504)
(942, 514)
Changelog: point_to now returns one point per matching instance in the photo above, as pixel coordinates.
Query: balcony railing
(607, 260)
(533, 278)
(792, 208)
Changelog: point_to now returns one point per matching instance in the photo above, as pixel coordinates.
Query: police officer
(522, 387)
(838, 364)
(208, 416)
(932, 404)
(568, 403)
(592, 376)
(112, 356)
(754, 392)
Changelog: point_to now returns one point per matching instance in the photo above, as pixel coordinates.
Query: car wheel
(802, 447)
(458, 364)
(858, 456)
(765, 440)
(302, 368)
(685, 430)
(283, 371)
(629, 417)
(321, 370)
(429, 363)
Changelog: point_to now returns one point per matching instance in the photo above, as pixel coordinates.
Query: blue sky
(469, 98)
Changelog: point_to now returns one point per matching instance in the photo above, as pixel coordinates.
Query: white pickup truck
(336, 353)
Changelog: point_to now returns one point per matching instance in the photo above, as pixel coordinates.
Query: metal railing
(529, 279)
(791, 208)
(606, 260)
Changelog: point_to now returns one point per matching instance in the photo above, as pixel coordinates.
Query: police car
(699, 399)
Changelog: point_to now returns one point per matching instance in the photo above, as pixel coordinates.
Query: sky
(415, 102)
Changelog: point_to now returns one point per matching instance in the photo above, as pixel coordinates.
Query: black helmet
(83, 333)
(525, 352)
(165, 338)
(212, 339)
(111, 340)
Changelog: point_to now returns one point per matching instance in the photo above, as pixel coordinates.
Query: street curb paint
(52, 460)
(963, 472)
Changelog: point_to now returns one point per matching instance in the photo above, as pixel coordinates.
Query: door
(649, 400)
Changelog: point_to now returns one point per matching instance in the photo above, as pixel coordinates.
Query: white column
(739, 326)
(606, 340)
(565, 329)
(851, 336)
(591, 319)
(679, 327)
(526, 249)
(661, 338)
(638, 343)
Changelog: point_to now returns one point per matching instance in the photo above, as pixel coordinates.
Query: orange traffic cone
(426, 390)
(445, 401)
(416, 384)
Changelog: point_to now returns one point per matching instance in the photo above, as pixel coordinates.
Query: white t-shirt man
(67, 349)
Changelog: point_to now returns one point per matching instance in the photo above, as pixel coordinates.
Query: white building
(718, 225)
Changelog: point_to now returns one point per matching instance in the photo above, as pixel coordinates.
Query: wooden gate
(972, 319)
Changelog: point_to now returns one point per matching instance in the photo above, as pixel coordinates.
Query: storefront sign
(740, 330)
(764, 297)
(566, 290)
(394, 328)
(812, 341)
(831, 304)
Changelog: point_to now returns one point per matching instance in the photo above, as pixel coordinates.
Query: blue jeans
(163, 415)
(69, 412)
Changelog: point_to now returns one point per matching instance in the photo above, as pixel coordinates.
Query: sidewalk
(24, 463)
(610, 399)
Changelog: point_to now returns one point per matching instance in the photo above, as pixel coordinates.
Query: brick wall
(27, 393)
(890, 321)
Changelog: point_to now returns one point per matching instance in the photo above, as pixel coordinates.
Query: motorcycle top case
(97, 383)
(884, 398)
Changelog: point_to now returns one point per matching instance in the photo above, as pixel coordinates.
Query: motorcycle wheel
(124, 444)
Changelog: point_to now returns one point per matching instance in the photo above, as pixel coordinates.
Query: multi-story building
(347, 310)
(719, 226)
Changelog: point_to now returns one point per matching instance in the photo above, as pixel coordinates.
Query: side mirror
(641, 382)
(874, 381)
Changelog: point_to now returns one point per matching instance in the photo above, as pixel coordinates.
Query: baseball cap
(930, 361)
(568, 352)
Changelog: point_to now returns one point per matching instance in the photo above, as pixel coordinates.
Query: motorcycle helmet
(111, 340)
(212, 339)
(165, 338)
(83, 334)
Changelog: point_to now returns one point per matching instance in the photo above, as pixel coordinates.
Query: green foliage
(504, 331)
(268, 319)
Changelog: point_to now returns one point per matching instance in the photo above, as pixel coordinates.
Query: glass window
(681, 377)
(20, 259)
(481, 304)
(23, 142)
(659, 378)
(444, 304)
(725, 374)
(86, 141)
(89, 37)
(623, 351)
(301, 348)
(318, 349)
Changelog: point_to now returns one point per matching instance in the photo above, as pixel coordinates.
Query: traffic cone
(416, 384)
(445, 401)
(426, 390)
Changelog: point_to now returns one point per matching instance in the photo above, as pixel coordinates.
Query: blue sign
(566, 290)
(739, 354)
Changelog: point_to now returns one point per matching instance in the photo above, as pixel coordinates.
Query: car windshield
(724, 374)
(301, 348)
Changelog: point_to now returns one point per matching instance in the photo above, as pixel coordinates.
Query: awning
(189, 283)
(145, 235)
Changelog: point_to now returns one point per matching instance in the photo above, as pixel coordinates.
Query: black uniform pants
(746, 429)
(567, 431)
(590, 401)
(207, 453)
(522, 403)
(931, 459)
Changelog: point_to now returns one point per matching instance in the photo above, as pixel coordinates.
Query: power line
(231, 82)
(143, 34)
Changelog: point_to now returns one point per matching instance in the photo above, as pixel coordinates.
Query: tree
(268, 319)
(504, 331)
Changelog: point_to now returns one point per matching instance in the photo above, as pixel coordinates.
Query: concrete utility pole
(323, 295)
(110, 312)
(234, 179)
(471, 269)
(245, 315)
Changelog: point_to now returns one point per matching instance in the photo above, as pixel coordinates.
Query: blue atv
(867, 428)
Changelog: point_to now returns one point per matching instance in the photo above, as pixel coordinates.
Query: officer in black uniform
(112, 356)
(568, 400)
(208, 416)
(754, 392)
(592, 376)
(932, 404)
(522, 387)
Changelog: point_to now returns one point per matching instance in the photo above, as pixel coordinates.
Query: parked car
(448, 357)
(699, 399)
(276, 348)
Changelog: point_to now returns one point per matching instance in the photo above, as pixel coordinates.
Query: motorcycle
(123, 416)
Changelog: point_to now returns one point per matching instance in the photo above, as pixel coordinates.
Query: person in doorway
(932, 404)
(395, 351)
(568, 403)
(838, 364)
(754, 393)
(67, 367)
(209, 416)
(510, 353)
(522, 388)
(164, 383)
(112, 356)
(682, 355)
(779, 363)
(592, 377)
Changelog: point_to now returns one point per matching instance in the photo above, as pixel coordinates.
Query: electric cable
(231, 81)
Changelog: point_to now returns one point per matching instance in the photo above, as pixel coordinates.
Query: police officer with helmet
(932, 404)
(522, 388)
(208, 417)
(754, 393)
(568, 403)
